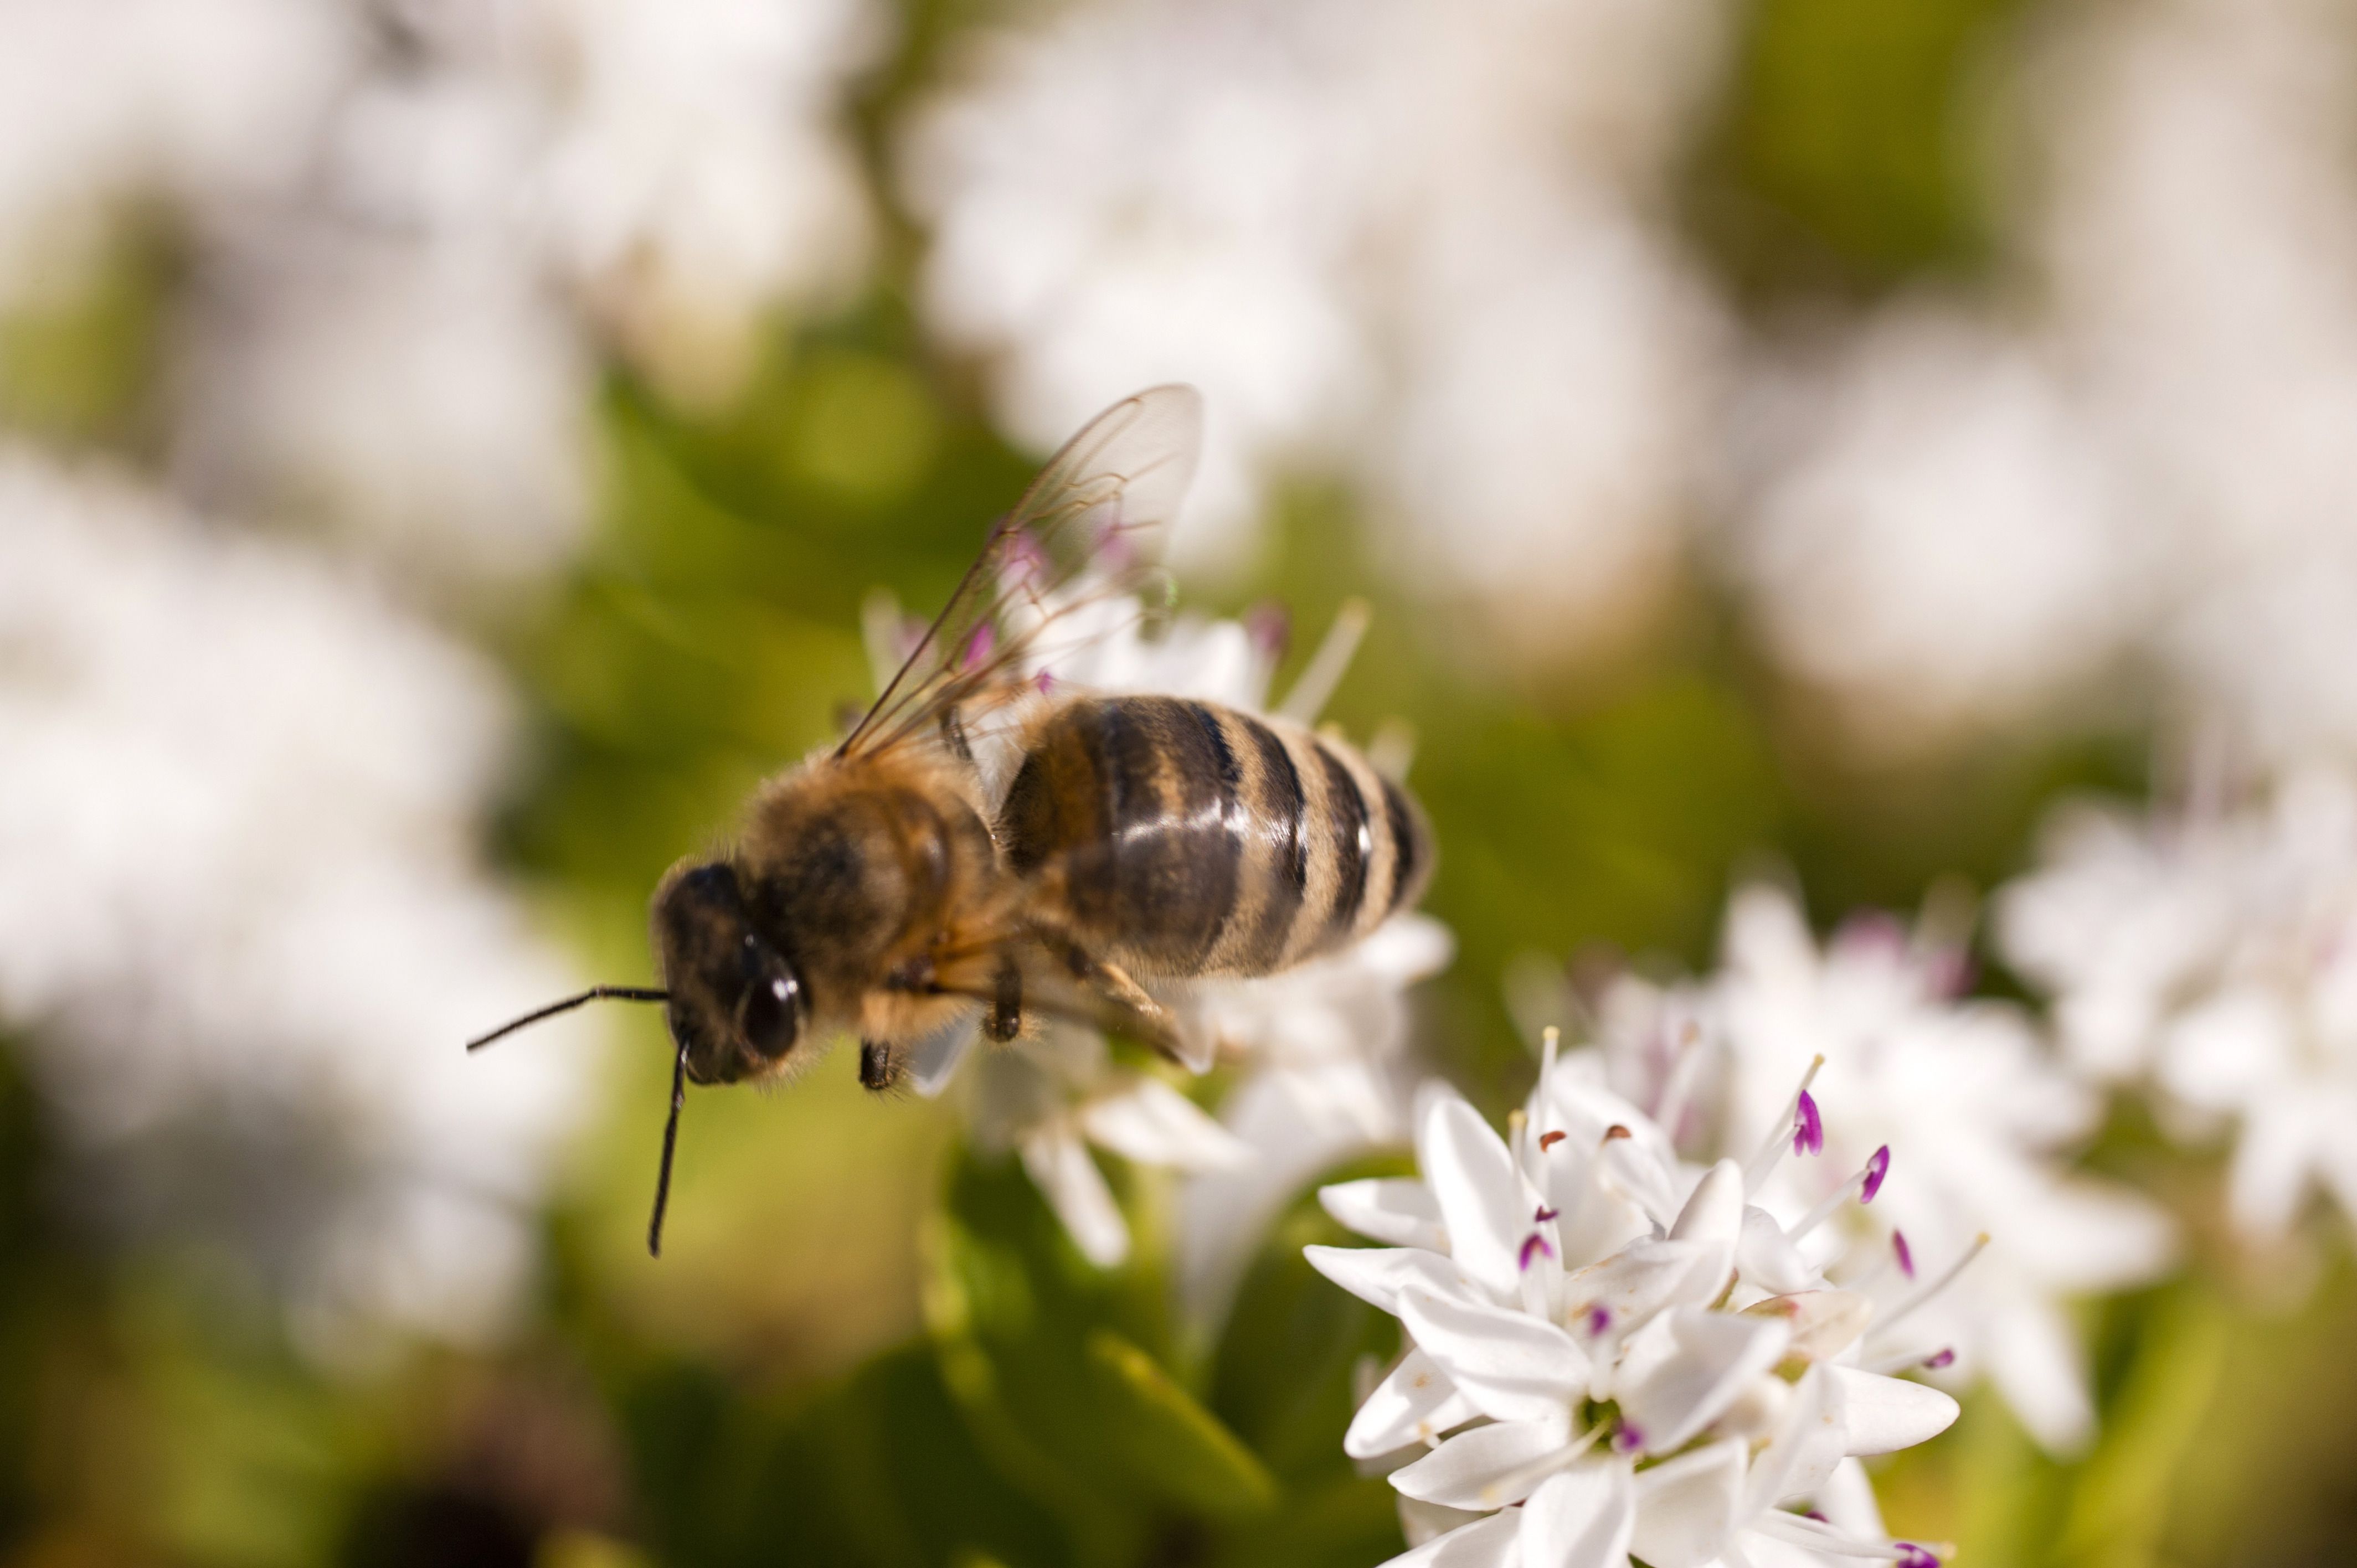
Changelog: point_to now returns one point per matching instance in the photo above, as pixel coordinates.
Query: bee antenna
(595, 993)
(671, 1145)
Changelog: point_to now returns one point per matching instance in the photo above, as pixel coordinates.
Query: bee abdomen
(1187, 838)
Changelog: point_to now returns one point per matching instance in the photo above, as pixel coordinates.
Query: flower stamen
(1947, 1277)
(1763, 1163)
(1878, 1165)
(1808, 1127)
(1808, 1531)
(1863, 1186)
(1672, 1108)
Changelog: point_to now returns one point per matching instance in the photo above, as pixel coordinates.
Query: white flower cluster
(242, 930)
(1965, 1089)
(1423, 245)
(1634, 1356)
(2213, 953)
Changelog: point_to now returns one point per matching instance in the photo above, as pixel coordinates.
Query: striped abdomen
(1184, 838)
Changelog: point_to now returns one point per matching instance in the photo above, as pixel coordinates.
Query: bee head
(737, 1005)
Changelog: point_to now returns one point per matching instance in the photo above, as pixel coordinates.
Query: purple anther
(1906, 1254)
(1812, 1513)
(1872, 933)
(1544, 1214)
(1599, 1318)
(1876, 1169)
(1630, 1438)
(1535, 1243)
(1948, 974)
(1269, 626)
(1914, 1556)
(1046, 683)
(1808, 1127)
(978, 645)
(1946, 1357)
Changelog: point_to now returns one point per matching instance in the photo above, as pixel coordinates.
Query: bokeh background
(445, 449)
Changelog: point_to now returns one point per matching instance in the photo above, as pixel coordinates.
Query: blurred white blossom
(2125, 471)
(242, 929)
(413, 222)
(1936, 541)
(1324, 1049)
(1050, 1095)
(2198, 228)
(1421, 247)
(2216, 952)
(696, 174)
(1978, 1120)
(202, 101)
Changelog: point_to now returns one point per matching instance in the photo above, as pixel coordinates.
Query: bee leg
(879, 1072)
(1130, 1009)
(1006, 1020)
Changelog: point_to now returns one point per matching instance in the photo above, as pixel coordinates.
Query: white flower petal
(1808, 1441)
(1406, 949)
(1714, 1210)
(2035, 1361)
(1688, 1507)
(1065, 1175)
(1155, 1124)
(1824, 1323)
(1694, 1371)
(1581, 1518)
(1416, 1403)
(1466, 1471)
(1378, 1274)
(2274, 1167)
(1196, 1040)
(1485, 1544)
(1514, 1367)
(1421, 1523)
(933, 1059)
(2230, 1047)
(1400, 1211)
(1635, 1284)
(1886, 1414)
(1481, 1197)
(1767, 1259)
(1846, 1499)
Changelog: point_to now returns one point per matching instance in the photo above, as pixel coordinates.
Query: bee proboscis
(888, 888)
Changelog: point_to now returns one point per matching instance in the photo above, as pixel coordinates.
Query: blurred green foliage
(1849, 153)
(864, 1346)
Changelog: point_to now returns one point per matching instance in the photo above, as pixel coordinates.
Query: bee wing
(1098, 511)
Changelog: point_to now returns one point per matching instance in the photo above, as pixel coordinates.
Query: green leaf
(1181, 1450)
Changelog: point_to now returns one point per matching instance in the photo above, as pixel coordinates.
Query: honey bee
(884, 889)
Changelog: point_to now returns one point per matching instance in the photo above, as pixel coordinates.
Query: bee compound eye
(769, 1016)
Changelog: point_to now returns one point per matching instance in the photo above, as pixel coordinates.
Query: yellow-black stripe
(1185, 837)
